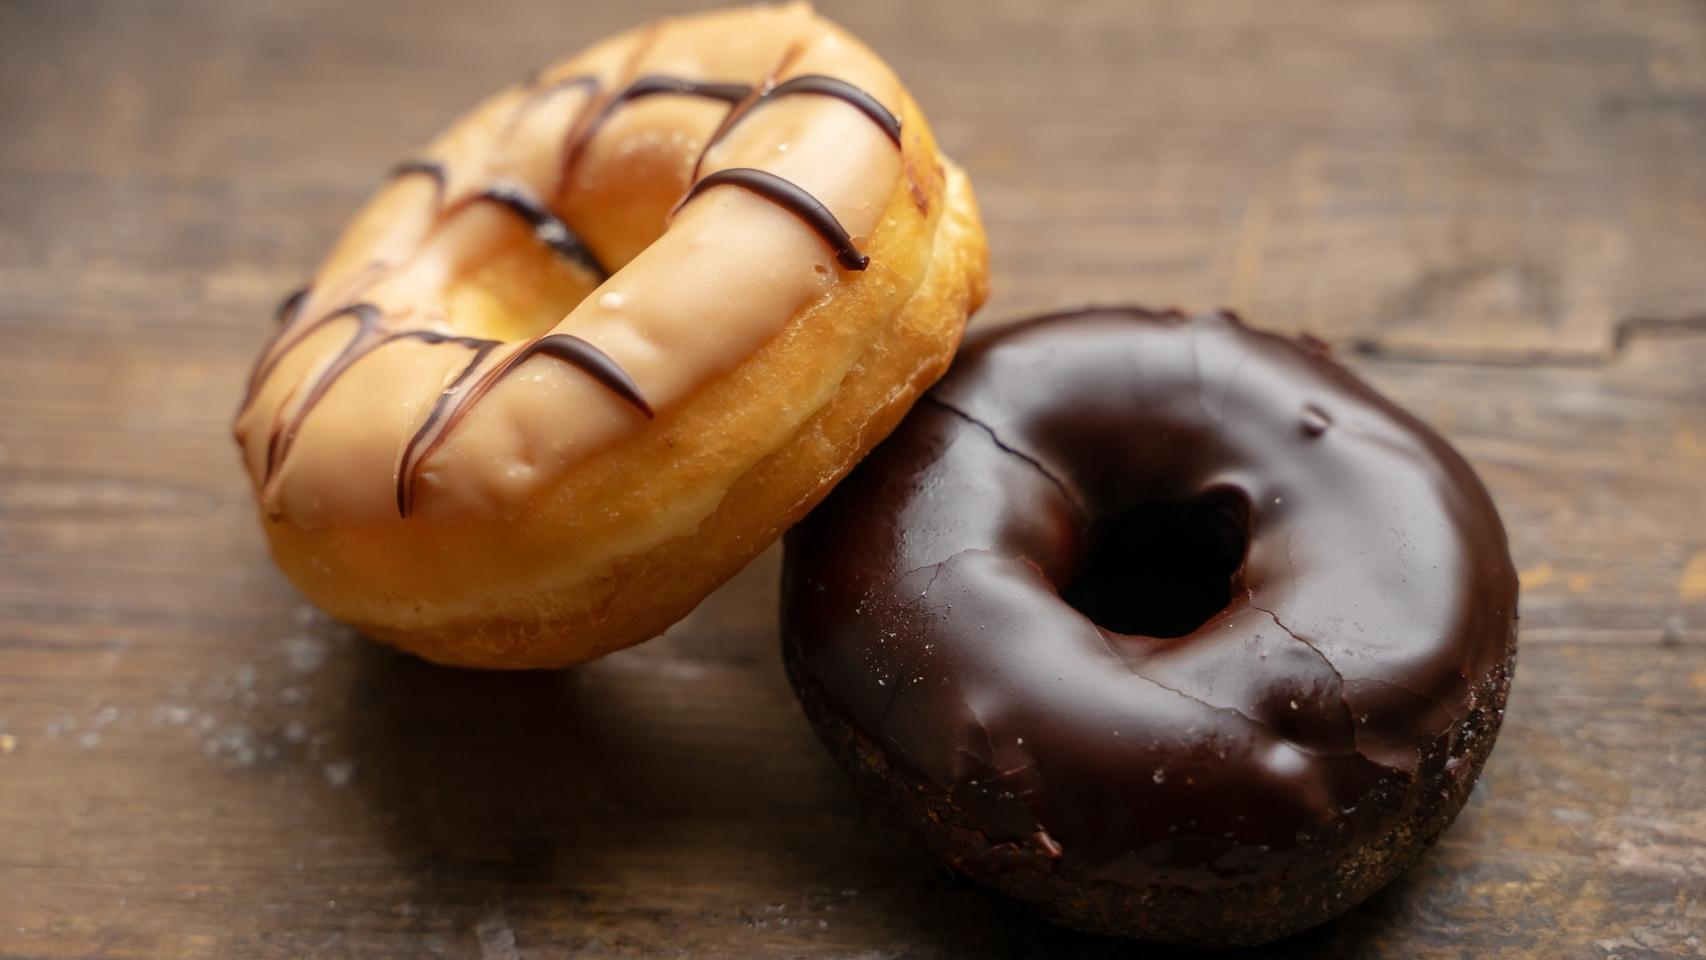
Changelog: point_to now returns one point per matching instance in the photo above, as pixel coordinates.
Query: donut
(1168, 626)
(608, 336)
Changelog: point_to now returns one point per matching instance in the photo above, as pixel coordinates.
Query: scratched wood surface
(1496, 210)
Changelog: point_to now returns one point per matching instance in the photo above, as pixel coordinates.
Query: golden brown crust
(516, 592)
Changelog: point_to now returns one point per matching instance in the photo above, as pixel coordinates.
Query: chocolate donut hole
(1163, 569)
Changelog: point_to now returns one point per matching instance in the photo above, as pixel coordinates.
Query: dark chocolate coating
(1259, 773)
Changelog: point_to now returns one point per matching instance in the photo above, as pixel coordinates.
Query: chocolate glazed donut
(1171, 627)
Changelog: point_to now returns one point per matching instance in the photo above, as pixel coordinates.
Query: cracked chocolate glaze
(1374, 602)
(375, 330)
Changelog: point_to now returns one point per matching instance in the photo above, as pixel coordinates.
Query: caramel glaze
(443, 417)
(431, 431)
(651, 86)
(551, 231)
(548, 228)
(1372, 609)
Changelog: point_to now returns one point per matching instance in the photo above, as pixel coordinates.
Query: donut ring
(607, 337)
(965, 620)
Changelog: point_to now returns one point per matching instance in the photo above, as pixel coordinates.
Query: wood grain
(1496, 210)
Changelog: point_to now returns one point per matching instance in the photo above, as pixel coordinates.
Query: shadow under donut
(669, 796)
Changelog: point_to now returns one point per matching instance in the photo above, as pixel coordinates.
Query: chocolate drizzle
(811, 83)
(547, 226)
(290, 306)
(647, 86)
(560, 346)
(790, 196)
(430, 169)
(287, 338)
(553, 232)
(655, 84)
(425, 436)
(360, 342)
(288, 310)
(537, 93)
(367, 338)
(594, 362)
(818, 84)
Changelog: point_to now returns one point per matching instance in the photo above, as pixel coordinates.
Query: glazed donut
(1168, 626)
(607, 337)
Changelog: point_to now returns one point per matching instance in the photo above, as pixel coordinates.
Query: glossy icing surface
(1366, 596)
(687, 187)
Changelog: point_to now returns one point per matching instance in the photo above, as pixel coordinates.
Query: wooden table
(1496, 211)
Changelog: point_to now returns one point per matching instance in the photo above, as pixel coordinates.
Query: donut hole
(515, 290)
(1163, 568)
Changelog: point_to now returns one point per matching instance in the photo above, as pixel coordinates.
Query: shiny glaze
(1374, 603)
(548, 228)
(449, 408)
(798, 202)
(457, 398)
(819, 85)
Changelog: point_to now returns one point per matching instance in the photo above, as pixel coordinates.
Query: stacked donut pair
(1171, 627)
